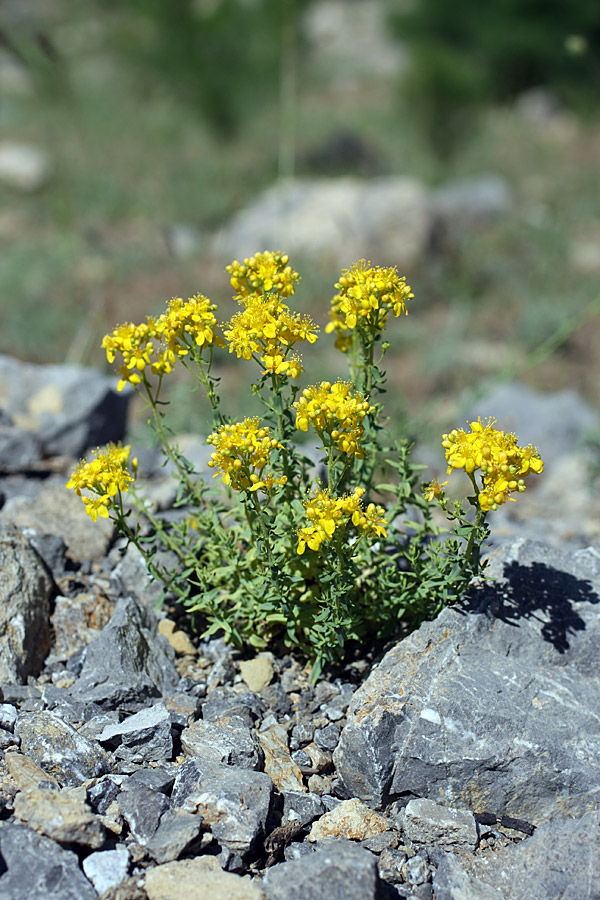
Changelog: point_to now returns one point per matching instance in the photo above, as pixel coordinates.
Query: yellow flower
(242, 450)
(192, 320)
(367, 294)
(502, 463)
(434, 490)
(327, 514)
(104, 476)
(335, 413)
(263, 273)
(266, 329)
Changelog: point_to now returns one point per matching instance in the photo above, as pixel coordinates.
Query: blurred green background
(142, 126)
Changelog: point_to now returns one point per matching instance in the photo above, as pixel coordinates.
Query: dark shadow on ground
(536, 592)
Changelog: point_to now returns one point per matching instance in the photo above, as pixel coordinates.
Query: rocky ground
(140, 763)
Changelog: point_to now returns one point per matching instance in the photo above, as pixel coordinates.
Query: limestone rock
(25, 591)
(178, 640)
(55, 510)
(279, 765)
(335, 221)
(107, 868)
(228, 740)
(257, 673)
(235, 803)
(142, 808)
(58, 749)
(128, 663)
(37, 868)
(494, 706)
(351, 820)
(141, 738)
(426, 822)
(198, 879)
(60, 817)
(338, 870)
(77, 621)
(69, 408)
(558, 863)
(176, 831)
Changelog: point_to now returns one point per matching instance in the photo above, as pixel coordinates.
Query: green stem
(473, 548)
(171, 455)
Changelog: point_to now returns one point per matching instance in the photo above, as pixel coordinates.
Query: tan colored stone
(25, 773)
(257, 673)
(351, 819)
(178, 640)
(59, 816)
(279, 765)
(198, 879)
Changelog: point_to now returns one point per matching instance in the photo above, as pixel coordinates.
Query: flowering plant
(316, 554)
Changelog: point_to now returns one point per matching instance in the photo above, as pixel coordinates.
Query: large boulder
(495, 706)
(334, 222)
(68, 408)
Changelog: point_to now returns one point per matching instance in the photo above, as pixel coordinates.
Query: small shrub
(317, 556)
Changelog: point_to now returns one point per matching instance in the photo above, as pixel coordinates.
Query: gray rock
(131, 578)
(415, 870)
(107, 868)
(143, 737)
(78, 620)
(8, 716)
(59, 816)
(337, 871)
(50, 548)
(494, 707)
(227, 741)
(327, 738)
(25, 591)
(102, 794)
(183, 707)
(142, 809)
(426, 822)
(304, 807)
(334, 221)
(235, 803)
(128, 663)
(226, 702)
(23, 167)
(19, 448)
(7, 739)
(176, 831)
(472, 202)
(68, 408)
(159, 778)
(38, 868)
(560, 862)
(56, 511)
(57, 748)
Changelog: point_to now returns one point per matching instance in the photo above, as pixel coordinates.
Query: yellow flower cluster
(335, 413)
(367, 294)
(327, 514)
(242, 450)
(105, 475)
(262, 273)
(502, 463)
(158, 342)
(193, 319)
(268, 330)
